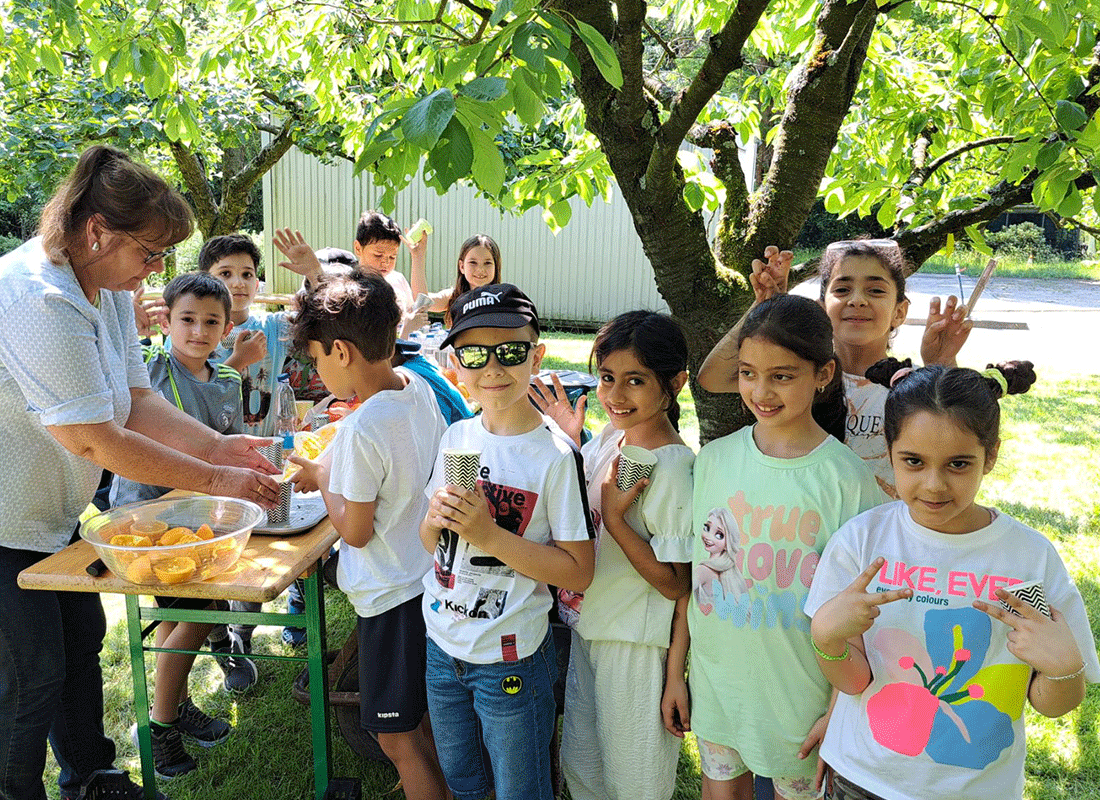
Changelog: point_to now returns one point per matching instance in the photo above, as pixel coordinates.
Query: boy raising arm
(491, 661)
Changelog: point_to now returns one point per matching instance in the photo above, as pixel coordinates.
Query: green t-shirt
(755, 684)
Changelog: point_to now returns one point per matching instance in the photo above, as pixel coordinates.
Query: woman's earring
(95, 246)
(820, 389)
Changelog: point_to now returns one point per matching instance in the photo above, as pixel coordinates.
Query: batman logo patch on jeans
(513, 684)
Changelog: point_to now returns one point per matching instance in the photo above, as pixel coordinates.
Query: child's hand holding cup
(460, 467)
(635, 464)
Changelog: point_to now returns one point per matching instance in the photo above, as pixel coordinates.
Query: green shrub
(8, 243)
(1023, 240)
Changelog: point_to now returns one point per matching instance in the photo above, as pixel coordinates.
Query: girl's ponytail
(830, 408)
(885, 372)
(1010, 377)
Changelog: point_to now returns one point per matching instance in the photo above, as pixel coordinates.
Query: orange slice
(173, 536)
(205, 532)
(174, 570)
(140, 570)
(148, 527)
(130, 540)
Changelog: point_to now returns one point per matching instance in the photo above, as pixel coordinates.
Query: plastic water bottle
(286, 415)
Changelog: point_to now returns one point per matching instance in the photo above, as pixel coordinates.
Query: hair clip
(897, 376)
(998, 376)
(887, 243)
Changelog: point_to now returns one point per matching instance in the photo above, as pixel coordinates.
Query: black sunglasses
(509, 354)
(161, 255)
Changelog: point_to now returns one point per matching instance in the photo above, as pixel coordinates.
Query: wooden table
(267, 567)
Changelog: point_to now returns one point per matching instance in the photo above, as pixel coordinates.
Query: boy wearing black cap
(491, 661)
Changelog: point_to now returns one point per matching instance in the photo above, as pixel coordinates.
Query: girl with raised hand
(928, 613)
(758, 704)
(614, 744)
(478, 265)
(863, 292)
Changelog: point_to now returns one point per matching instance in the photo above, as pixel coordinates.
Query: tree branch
(198, 187)
(951, 155)
(1075, 223)
(661, 92)
(664, 45)
(628, 38)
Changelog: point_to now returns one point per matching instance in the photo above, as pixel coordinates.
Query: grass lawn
(1046, 477)
(1008, 267)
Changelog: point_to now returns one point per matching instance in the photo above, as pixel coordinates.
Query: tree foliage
(937, 115)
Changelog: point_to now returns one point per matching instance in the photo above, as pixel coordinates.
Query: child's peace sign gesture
(852, 612)
(1047, 645)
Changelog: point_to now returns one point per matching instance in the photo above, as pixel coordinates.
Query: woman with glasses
(74, 400)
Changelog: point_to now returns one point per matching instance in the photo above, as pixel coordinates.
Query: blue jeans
(50, 684)
(509, 706)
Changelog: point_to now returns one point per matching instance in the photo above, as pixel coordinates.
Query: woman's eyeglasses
(158, 256)
(509, 354)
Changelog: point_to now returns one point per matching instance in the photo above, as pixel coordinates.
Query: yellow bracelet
(825, 655)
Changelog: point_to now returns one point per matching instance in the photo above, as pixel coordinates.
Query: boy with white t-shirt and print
(373, 486)
(491, 661)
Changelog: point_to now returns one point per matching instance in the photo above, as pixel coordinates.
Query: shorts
(392, 664)
(722, 763)
(188, 603)
(844, 789)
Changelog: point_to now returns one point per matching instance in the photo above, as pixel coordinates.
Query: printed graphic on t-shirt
(938, 697)
(256, 396)
(511, 509)
(760, 565)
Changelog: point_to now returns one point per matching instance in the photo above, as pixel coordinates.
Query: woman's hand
(247, 484)
(944, 333)
(239, 450)
(614, 502)
(554, 403)
(852, 612)
(676, 707)
(769, 277)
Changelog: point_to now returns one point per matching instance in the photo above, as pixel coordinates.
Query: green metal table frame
(314, 658)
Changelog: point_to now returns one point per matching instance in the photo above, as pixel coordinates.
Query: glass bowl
(172, 540)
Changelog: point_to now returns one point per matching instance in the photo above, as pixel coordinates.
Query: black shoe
(110, 783)
(200, 727)
(170, 759)
(240, 672)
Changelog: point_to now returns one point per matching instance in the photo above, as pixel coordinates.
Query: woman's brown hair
(461, 284)
(128, 196)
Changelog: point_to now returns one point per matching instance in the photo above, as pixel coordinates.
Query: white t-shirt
(383, 452)
(944, 714)
(863, 427)
(63, 361)
(620, 605)
(401, 288)
(476, 608)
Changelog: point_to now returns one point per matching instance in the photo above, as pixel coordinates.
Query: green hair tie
(998, 376)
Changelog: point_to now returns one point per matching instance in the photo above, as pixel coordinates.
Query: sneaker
(110, 783)
(240, 672)
(170, 759)
(200, 727)
(295, 637)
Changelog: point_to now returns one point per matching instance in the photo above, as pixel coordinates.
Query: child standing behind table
(491, 660)
(198, 317)
(373, 486)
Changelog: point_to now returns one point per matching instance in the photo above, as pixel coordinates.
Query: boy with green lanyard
(198, 318)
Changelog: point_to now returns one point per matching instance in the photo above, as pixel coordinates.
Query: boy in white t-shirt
(491, 660)
(373, 486)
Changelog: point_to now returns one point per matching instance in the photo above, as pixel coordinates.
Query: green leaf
(488, 167)
(1041, 31)
(1048, 155)
(51, 60)
(558, 215)
(886, 211)
(949, 245)
(602, 53)
(500, 11)
(977, 241)
(529, 107)
(522, 47)
(485, 89)
(1073, 203)
(1070, 115)
(453, 155)
(425, 121)
(693, 195)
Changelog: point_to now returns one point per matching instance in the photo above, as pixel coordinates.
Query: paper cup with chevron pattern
(635, 464)
(1031, 592)
(279, 515)
(460, 467)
